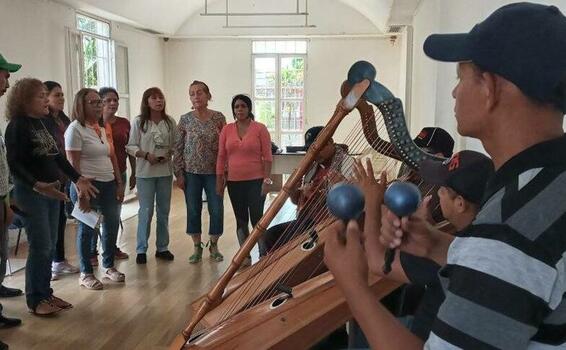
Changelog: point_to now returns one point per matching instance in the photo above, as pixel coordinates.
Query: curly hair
(20, 96)
(78, 112)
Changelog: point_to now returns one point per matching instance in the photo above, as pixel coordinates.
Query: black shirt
(33, 154)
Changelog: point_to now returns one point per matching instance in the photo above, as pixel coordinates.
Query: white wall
(226, 66)
(33, 35)
(330, 17)
(432, 81)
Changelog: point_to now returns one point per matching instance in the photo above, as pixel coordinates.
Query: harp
(288, 299)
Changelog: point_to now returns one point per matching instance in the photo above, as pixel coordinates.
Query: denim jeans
(94, 245)
(107, 204)
(41, 223)
(153, 190)
(194, 184)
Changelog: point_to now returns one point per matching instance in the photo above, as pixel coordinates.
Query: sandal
(90, 282)
(197, 255)
(60, 302)
(114, 275)
(214, 252)
(45, 308)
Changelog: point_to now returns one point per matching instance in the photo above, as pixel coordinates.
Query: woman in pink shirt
(244, 165)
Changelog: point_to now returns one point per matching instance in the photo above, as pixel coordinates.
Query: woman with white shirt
(151, 141)
(90, 150)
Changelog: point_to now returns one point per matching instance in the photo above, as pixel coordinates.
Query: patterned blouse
(196, 147)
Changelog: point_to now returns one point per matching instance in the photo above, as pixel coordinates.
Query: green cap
(10, 67)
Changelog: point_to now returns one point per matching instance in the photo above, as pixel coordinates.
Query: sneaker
(94, 260)
(88, 281)
(114, 275)
(141, 259)
(63, 267)
(166, 255)
(60, 302)
(120, 255)
(7, 292)
(54, 276)
(197, 255)
(45, 308)
(8, 322)
(214, 252)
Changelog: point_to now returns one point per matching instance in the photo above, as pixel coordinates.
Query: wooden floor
(146, 312)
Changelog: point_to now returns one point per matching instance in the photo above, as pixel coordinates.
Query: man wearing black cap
(504, 277)
(461, 179)
(6, 214)
(332, 164)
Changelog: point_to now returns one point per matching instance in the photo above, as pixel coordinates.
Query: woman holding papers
(91, 151)
(35, 163)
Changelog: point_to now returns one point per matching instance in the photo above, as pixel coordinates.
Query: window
(279, 88)
(96, 52)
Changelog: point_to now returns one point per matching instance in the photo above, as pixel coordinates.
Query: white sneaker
(63, 267)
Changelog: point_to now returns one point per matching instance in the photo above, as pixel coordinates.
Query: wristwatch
(268, 181)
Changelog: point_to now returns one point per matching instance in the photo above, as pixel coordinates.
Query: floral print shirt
(196, 147)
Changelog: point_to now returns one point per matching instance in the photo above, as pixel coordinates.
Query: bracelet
(268, 181)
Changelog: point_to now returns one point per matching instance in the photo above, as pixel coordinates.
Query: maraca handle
(388, 260)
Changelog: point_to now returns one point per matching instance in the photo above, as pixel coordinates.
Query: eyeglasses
(94, 102)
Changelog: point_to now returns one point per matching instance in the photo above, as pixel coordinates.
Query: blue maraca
(402, 198)
(345, 201)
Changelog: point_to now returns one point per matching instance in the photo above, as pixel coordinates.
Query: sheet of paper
(91, 219)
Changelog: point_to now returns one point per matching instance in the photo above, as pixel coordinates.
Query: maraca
(403, 199)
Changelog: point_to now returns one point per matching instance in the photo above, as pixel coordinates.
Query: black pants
(60, 245)
(247, 202)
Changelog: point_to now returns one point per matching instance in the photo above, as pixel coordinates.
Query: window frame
(278, 134)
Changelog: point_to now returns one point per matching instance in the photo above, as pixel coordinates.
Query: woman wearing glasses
(151, 141)
(35, 163)
(91, 151)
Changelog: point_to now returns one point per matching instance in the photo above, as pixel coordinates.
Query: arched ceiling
(167, 16)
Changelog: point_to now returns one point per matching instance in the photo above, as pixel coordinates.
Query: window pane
(292, 115)
(292, 77)
(270, 46)
(122, 83)
(301, 47)
(96, 62)
(265, 113)
(265, 77)
(93, 26)
(291, 140)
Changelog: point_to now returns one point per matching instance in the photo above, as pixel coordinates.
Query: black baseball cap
(524, 43)
(466, 172)
(311, 134)
(435, 140)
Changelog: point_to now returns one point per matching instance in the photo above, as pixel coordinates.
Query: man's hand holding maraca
(414, 235)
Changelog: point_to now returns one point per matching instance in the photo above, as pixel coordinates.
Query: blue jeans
(153, 190)
(41, 223)
(107, 204)
(194, 184)
(94, 245)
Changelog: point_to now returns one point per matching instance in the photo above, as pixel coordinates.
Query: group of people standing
(55, 161)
